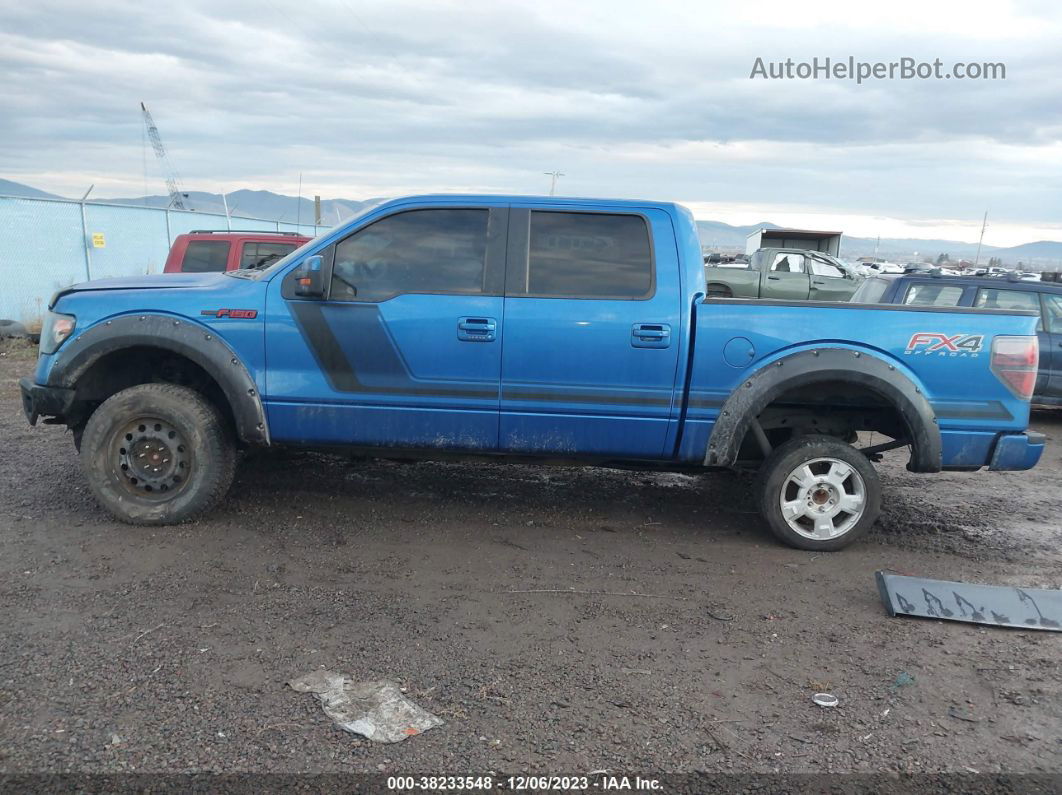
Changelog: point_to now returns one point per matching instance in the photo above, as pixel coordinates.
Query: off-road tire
(185, 434)
(778, 484)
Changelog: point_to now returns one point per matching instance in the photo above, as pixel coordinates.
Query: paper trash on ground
(376, 710)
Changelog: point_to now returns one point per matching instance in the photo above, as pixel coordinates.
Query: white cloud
(385, 97)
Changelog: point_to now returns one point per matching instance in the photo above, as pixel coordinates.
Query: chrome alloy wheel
(823, 498)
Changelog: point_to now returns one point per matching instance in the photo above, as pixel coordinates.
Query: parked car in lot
(555, 329)
(790, 273)
(207, 251)
(990, 292)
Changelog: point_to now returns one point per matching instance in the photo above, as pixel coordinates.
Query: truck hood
(158, 281)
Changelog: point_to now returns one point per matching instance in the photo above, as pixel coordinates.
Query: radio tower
(172, 185)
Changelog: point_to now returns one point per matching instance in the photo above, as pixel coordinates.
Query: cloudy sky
(630, 99)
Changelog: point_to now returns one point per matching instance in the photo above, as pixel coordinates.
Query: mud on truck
(524, 328)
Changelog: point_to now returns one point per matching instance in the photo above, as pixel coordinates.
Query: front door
(405, 351)
(592, 332)
(828, 281)
(786, 278)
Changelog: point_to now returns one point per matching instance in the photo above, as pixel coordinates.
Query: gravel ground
(169, 649)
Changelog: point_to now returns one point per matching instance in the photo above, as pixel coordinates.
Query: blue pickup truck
(541, 328)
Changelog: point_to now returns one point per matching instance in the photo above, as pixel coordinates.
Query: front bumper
(1017, 451)
(45, 401)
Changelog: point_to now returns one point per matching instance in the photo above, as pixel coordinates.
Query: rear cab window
(788, 263)
(206, 256)
(588, 255)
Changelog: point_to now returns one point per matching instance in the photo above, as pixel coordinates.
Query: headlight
(55, 330)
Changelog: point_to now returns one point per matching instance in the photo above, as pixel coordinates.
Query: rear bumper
(1017, 451)
(45, 401)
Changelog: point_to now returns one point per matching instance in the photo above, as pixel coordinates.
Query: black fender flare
(758, 390)
(193, 341)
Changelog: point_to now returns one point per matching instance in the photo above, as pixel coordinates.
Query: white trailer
(809, 240)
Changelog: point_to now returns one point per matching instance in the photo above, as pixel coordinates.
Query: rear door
(1051, 356)
(405, 351)
(592, 325)
(828, 281)
(786, 277)
(1002, 298)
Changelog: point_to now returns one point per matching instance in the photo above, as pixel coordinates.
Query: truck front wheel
(157, 454)
(819, 493)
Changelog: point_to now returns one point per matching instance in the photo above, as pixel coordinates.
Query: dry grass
(19, 350)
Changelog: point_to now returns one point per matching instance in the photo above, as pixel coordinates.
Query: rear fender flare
(757, 391)
(193, 341)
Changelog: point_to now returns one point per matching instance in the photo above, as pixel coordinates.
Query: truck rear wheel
(819, 493)
(157, 454)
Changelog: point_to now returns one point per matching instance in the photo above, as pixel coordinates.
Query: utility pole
(554, 176)
(298, 205)
(984, 223)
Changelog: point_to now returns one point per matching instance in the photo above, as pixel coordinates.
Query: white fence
(48, 244)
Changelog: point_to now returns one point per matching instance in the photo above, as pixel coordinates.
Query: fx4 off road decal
(933, 343)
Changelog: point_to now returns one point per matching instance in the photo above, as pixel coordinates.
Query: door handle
(477, 329)
(773, 278)
(651, 335)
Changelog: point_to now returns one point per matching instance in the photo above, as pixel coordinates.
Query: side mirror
(309, 278)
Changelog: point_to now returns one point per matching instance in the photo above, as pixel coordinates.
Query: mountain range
(714, 234)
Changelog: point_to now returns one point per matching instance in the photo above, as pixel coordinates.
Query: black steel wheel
(157, 454)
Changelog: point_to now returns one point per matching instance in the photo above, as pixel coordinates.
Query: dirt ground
(168, 649)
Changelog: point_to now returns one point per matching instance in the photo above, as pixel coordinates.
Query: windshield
(260, 273)
(870, 291)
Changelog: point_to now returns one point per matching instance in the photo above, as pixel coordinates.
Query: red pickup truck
(204, 251)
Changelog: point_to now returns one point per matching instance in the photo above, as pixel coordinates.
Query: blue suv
(985, 292)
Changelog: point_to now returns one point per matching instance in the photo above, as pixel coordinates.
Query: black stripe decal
(341, 375)
(958, 410)
(587, 397)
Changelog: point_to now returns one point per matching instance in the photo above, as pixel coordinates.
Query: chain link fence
(49, 244)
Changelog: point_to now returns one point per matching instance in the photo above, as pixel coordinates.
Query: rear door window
(788, 263)
(589, 255)
(928, 294)
(993, 298)
(206, 256)
(262, 255)
(1053, 313)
